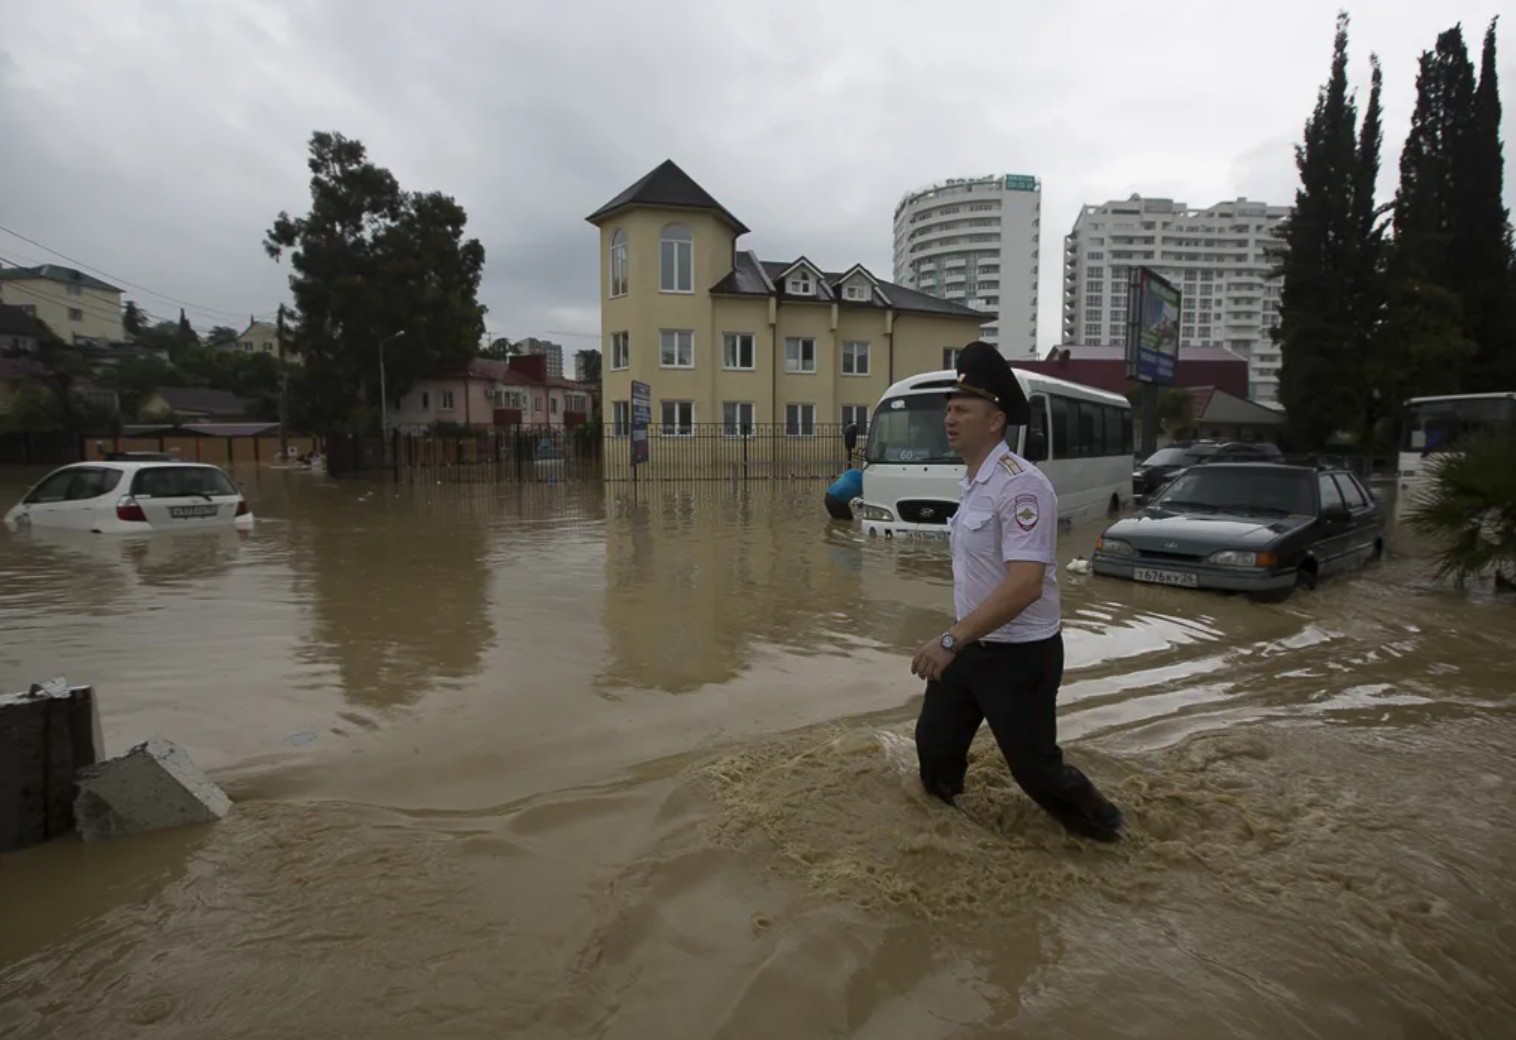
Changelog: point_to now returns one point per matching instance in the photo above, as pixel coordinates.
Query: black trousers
(1013, 686)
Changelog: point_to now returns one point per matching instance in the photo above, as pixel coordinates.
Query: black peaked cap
(984, 372)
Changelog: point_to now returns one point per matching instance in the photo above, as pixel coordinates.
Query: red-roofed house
(1105, 368)
(514, 392)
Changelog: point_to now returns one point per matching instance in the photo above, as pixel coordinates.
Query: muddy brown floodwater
(564, 761)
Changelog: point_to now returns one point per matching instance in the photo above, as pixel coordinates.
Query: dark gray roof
(202, 399)
(754, 277)
(1213, 405)
(746, 278)
(16, 322)
(669, 186)
(55, 273)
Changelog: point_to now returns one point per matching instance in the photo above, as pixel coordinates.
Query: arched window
(618, 263)
(676, 260)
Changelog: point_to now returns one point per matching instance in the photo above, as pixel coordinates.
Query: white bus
(1079, 436)
(1435, 425)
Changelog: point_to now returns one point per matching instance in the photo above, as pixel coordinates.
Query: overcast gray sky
(157, 139)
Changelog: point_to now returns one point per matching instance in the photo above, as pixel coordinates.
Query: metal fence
(552, 454)
(716, 451)
(40, 449)
(487, 454)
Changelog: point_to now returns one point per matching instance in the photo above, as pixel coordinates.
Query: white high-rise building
(552, 351)
(1219, 257)
(975, 241)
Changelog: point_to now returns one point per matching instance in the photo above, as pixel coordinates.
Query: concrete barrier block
(152, 786)
(47, 735)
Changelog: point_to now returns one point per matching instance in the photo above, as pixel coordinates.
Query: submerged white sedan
(122, 497)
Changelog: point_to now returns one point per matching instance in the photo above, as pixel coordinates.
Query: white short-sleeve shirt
(1007, 512)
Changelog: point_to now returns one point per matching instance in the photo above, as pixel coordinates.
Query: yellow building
(727, 342)
(75, 306)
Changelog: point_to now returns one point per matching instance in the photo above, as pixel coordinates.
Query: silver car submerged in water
(1264, 529)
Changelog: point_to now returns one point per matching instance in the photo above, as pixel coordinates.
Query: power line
(106, 274)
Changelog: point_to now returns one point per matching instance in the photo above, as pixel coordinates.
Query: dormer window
(800, 284)
(856, 291)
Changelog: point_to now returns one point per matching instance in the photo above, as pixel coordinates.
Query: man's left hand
(931, 661)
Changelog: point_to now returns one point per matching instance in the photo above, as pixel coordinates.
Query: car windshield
(910, 429)
(1176, 456)
(1250, 491)
(181, 482)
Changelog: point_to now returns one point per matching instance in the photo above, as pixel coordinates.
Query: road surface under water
(562, 761)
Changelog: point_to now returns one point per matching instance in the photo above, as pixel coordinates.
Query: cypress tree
(1320, 264)
(1425, 348)
(1482, 235)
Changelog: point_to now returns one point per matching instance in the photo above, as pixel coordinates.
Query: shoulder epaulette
(1010, 465)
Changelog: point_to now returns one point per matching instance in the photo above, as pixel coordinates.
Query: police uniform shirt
(1007, 512)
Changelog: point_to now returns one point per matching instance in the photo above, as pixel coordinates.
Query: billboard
(642, 418)
(1152, 333)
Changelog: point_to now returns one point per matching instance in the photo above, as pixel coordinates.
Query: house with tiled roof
(76, 306)
(519, 391)
(723, 336)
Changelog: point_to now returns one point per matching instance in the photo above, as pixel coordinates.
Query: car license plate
(1179, 578)
(923, 536)
(192, 512)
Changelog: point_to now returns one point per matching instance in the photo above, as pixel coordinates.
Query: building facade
(977, 242)
(722, 337)
(1219, 257)
(490, 393)
(77, 307)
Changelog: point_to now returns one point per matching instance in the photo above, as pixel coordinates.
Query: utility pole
(284, 388)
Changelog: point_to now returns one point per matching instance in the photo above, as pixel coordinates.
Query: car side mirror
(1036, 446)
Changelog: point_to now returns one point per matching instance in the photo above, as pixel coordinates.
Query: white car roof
(131, 466)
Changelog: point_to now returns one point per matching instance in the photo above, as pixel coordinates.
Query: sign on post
(1152, 335)
(642, 418)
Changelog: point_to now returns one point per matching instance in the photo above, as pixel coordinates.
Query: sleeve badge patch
(1026, 511)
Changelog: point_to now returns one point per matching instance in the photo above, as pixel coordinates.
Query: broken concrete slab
(47, 735)
(152, 786)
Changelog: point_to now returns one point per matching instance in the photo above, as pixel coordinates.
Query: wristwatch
(949, 643)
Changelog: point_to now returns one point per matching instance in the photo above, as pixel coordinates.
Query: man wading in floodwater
(1002, 662)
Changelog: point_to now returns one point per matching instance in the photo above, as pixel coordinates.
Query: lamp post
(384, 400)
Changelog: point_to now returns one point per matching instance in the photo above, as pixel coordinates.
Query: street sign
(642, 418)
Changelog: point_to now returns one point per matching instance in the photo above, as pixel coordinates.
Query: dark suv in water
(1154, 472)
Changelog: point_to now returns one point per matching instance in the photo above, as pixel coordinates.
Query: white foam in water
(899, 750)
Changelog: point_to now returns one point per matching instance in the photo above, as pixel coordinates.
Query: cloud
(158, 141)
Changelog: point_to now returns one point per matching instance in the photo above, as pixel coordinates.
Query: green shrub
(1469, 507)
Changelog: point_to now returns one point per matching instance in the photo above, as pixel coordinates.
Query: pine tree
(1323, 301)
